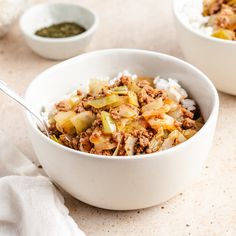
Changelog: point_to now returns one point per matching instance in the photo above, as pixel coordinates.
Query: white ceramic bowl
(44, 15)
(215, 57)
(122, 183)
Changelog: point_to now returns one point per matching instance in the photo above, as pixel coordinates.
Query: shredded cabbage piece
(96, 86)
(129, 145)
(133, 99)
(104, 101)
(82, 121)
(63, 122)
(108, 123)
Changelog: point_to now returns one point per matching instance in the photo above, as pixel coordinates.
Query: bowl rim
(88, 31)
(188, 27)
(213, 114)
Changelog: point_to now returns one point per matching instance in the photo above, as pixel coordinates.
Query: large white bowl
(215, 57)
(43, 15)
(122, 183)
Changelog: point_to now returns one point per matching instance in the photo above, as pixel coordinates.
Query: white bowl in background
(215, 57)
(122, 183)
(44, 15)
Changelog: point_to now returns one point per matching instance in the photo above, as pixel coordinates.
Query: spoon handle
(4, 87)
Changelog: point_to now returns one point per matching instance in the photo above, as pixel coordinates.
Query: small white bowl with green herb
(58, 30)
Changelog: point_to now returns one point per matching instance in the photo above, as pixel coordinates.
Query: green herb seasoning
(61, 30)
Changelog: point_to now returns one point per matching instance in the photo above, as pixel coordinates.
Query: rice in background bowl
(213, 56)
(191, 14)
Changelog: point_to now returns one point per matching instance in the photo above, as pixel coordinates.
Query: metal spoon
(4, 87)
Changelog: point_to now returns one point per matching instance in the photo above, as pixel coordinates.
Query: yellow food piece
(133, 99)
(95, 86)
(188, 133)
(63, 122)
(74, 100)
(224, 34)
(82, 121)
(199, 123)
(129, 145)
(166, 123)
(97, 139)
(127, 112)
(155, 105)
(102, 142)
(174, 138)
(121, 123)
(108, 123)
(158, 112)
(104, 101)
(231, 2)
(157, 140)
(134, 87)
(128, 125)
(176, 113)
(55, 139)
(105, 146)
(121, 100)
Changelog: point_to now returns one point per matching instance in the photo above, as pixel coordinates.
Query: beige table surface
(208, 207)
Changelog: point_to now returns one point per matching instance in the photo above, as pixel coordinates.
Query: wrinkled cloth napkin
(29, 203)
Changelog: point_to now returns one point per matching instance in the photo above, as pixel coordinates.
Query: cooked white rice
(190, 11)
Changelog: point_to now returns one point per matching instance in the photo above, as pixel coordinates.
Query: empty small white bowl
(122, 183)
(215, 57)
(44, 15)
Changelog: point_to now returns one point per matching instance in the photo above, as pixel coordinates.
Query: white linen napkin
(29, 203)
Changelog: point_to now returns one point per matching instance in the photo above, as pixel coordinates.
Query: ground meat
(125, 80)
(151, 91)
(189, 123)
(143, 141)
(120, 111)
(85, 144)
(75, 143)
(144, 138)
(96, 133)
(121, 151)
(139, 150)
(146, 133)
(63, 106)
(187, 113)
(115, 113)
(177, 123)
(211, 6)
(65, 140)
(53, 129)
(97, 122)
(79, 93)
(102, 152)
(143, 83)
(225, 19)
(79, 108)
(143, 97)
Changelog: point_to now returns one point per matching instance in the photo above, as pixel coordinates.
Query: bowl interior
(75, 73)
(45, 15)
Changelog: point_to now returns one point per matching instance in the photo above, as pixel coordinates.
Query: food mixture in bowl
(215, 18)
(124, 116)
